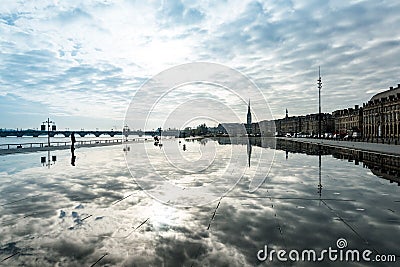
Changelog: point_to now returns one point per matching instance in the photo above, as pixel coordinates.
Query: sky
(81, 63)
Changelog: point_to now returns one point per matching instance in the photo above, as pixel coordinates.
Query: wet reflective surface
(95, 213)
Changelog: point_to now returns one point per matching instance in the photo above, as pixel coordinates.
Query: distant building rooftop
(391, 92)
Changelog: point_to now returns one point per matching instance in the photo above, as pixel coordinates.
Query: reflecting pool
(111, 210)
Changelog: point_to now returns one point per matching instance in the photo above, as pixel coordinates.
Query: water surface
(96, 213)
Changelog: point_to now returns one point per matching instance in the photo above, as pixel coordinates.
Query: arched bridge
(37, 133)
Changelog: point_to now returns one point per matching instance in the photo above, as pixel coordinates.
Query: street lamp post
(43, 128)
(160, 131)
(319, 172)
(125, 132)
(319, 101)
(53, 128)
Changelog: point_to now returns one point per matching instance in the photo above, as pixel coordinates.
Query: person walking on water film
(73, 141)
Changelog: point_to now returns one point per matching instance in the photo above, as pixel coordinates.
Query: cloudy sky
(81, 63)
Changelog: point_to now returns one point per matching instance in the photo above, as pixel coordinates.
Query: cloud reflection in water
(77, 215)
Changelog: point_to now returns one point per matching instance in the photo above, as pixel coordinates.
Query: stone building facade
(381, 117)
(378, 120)
(305, 124)
(310, 125)
(289, 125)
(348, 121)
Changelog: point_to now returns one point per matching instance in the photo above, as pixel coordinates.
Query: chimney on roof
(391, 88)
(356, 107)
(398, 85)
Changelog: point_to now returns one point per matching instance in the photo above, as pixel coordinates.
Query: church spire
(248, 125)
(248, 114)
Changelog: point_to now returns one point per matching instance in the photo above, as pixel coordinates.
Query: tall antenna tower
(319, 101)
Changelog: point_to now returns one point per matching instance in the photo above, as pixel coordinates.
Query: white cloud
(94, 55)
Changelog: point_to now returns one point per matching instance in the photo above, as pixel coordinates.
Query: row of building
(378, 120)
(305, 125)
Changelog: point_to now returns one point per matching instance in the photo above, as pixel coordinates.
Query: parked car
(356, 135)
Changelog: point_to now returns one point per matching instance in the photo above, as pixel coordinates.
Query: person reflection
(73, 158)
(73, 141)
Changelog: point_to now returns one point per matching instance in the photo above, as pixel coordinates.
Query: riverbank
(57, 147)
(361, 146)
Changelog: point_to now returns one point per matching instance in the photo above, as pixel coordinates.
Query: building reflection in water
(248, 141)
(249, 152)
(383, 166)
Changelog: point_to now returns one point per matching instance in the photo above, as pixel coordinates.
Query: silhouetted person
(73, 141)
(184, 147)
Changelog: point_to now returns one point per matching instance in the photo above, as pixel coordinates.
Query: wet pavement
(96, 213)
(390, 149)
